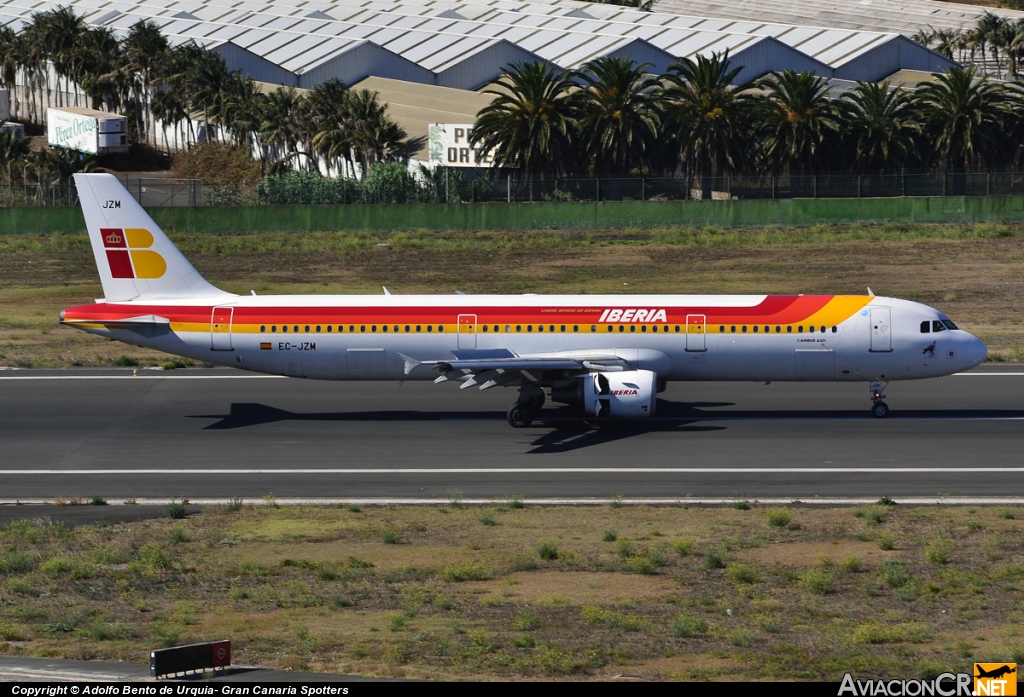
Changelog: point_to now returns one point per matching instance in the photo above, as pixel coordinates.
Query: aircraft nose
(977, 352)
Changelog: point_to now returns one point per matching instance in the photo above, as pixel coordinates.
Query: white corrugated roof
(436, 34)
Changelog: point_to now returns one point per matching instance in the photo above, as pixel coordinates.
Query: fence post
(773, 186)
(860, 183)
(597, 189)
(643, 189)
(814, 186)
(988, 184)
(943, 184)
(903, 181)
(509, 183)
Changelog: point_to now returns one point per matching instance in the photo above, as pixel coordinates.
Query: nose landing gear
(522, 413)
(879, 409)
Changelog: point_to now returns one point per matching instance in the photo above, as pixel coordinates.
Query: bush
(614, 620)
(126, 362)
(466, 571)
(308, 188)
(742, 573)
(886, 542)
(215, 162)
(524, 642)
(178, 536)
(874, 632)
(177, 511)
(893, 574)
(389, 536)
(640, 565)
(938, 551)
(683, 548)
(12, 632)
(97, 501)
(851, 564)
(819, 581)
(515, 502)
(18, 562)
(57, 566)
(548, 550)
(741, 506)
(872, 515)
(609, 536)
(684, 626)
(778, 517)
(235, 503)
(390, 182)
(488, 520)
(525, 621)
(713, 560)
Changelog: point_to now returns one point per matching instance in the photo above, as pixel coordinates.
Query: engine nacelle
(626, 395)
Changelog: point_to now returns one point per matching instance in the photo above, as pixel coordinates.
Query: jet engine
(626, 395)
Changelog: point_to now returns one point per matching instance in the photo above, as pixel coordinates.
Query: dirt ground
(973, 273)
(455, 592)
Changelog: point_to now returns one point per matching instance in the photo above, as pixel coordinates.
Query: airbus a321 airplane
(609, 355)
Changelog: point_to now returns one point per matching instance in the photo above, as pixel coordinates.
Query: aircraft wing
(488, 369)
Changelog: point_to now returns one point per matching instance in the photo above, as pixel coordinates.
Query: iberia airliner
(609, 355)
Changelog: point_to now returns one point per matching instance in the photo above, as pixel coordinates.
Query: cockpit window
(949, 324)
(926, 327)
(938, 326)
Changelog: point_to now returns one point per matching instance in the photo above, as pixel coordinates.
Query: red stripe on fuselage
(778, 309)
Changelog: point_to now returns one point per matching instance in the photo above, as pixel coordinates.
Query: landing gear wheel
(880, 410)
(520, 415)
(535, 402)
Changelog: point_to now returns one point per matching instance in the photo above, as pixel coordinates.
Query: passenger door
(220, 328)
(881, 329)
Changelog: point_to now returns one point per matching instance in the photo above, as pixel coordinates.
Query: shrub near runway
(541, 592)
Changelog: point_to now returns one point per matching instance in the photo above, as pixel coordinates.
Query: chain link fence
(160, 192)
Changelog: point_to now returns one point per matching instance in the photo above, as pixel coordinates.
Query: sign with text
(449, 146)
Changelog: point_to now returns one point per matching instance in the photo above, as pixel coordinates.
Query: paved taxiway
(220, 433)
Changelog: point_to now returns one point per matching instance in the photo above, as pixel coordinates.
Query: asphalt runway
(220, 433)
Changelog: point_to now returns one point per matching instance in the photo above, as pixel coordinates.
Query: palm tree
(619, 118)
(880, 126)
(280, 130)
(62, 32)
(95, 65)
(964, 116)
(709, 115)
(530, 122)
(9, 64)
(144, 47)
(12, 150)
(333, 138)
(796, 120)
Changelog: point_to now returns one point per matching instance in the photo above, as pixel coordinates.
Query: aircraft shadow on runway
(564, 430)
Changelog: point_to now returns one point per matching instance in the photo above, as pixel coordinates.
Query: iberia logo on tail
(128, 253)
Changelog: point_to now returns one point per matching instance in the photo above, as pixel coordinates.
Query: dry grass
(318, 589)
(973, 273)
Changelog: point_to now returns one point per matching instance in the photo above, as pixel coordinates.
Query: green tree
(796, 120)
(619, 119)
(708, 114)
(880, 127)
(531, 121)
(144, 47)
(964, 116)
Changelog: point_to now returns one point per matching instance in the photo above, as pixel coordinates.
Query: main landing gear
(522, 413)
(879, 409)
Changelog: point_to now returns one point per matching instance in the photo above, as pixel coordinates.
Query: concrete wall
(530, 216)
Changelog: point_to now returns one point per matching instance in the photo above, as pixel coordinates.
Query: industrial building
(465, 44)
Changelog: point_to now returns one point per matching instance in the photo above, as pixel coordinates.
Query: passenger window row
(755, 329)
(665, 329)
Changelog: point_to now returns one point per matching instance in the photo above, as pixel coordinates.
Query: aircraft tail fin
(135, 259)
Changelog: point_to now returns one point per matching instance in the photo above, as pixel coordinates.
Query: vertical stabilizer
(136, 260)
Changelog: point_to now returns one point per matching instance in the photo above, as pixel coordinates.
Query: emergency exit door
(467, 331)
(695, 332)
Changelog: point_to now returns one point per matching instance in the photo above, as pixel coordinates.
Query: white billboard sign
(449, 146)
(73, 131)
